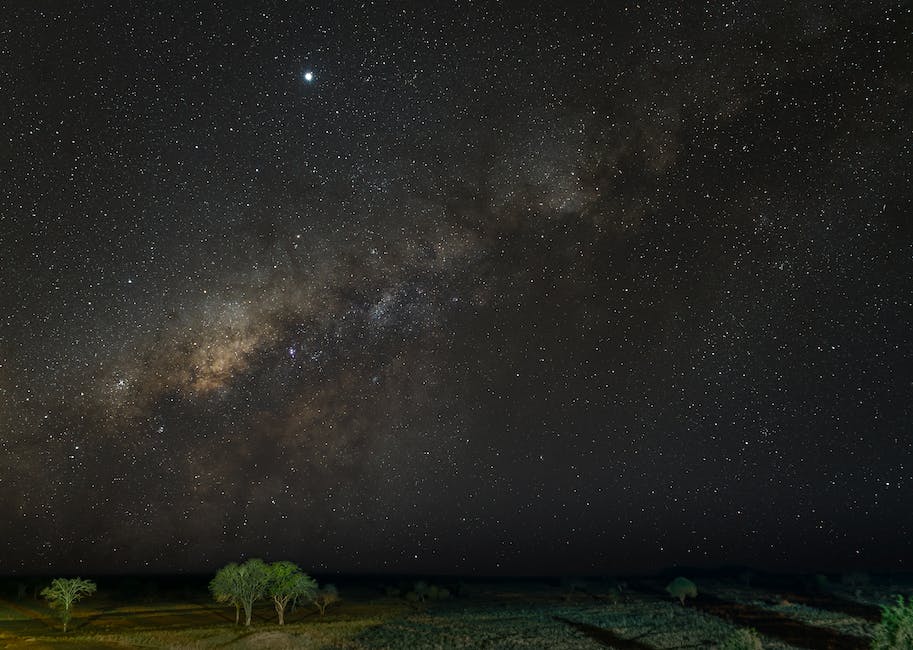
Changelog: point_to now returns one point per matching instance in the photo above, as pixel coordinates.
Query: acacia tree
(241, 585)
(287, 582)
(681, 588)
(63, 593)
(325, 596)
(224, 588)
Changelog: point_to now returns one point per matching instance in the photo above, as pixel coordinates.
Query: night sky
(456, 287)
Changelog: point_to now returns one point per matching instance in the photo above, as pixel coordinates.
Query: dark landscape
(627, 613)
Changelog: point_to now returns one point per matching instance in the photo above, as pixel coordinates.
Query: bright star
(308, 76)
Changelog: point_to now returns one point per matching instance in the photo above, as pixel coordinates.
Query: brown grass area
(103, 623)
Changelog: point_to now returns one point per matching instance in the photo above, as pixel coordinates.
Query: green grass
(464, 627)
(494, 617)
(763, 599)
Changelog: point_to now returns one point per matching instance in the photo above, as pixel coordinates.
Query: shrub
(572, 587)
(744, 639)
(612, 597)
(855, 579)
(325, 596)
(746, 577)
(822, 583)
(895, 632)
(422, 591)
(681, 588)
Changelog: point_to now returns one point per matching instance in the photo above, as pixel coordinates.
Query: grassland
(496, 615)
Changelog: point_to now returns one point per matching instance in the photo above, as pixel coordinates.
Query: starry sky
(469, 287)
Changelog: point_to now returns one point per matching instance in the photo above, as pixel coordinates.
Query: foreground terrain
(633, 615)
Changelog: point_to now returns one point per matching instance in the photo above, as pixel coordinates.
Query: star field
(470, 289)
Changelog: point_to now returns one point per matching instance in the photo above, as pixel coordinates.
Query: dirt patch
(272, 640)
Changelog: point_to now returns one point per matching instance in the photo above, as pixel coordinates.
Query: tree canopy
(241, 585)
(287, 582)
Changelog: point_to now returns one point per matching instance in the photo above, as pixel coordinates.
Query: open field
(492, 615)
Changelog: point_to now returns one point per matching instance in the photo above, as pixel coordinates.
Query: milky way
(535, 291)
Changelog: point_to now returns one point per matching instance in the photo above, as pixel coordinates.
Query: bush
(422, 591)
(895, 632)
(612, 597)
(746, 577)
(325, 596)
(744, 639)
(572, 587)
(855, 579)
(822, 583)
(681, 588)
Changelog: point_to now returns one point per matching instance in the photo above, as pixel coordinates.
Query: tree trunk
(237, 613)
(280, 603)
(247, 612)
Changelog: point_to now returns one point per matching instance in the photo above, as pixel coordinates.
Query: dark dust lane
(772, 624)
(604, 636)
